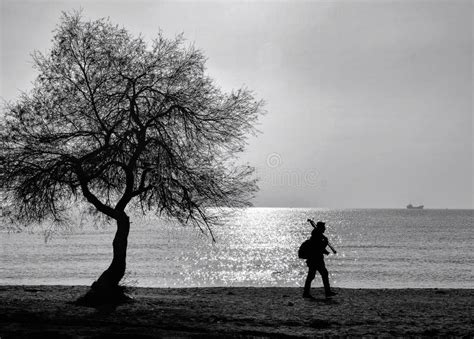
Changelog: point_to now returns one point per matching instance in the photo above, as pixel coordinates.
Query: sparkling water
(376, 248)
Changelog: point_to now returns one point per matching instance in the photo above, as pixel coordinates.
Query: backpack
(304, 250)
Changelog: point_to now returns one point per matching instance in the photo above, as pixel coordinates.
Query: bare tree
(122, 124)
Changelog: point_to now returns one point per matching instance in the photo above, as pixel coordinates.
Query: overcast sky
(369, 102)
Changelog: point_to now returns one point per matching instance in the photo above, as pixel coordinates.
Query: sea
(376, 248)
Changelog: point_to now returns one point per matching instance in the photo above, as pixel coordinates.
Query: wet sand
(44, 311)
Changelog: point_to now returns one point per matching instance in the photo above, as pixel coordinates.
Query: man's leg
(325, 276)
(309, 279)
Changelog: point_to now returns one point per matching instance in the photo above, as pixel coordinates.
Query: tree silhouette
(121, 124)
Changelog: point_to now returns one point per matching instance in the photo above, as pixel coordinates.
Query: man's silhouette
(315, 260)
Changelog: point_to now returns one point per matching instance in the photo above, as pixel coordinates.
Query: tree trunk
(106, 289)
(112, 275)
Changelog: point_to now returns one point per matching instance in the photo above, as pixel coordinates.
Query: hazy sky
(369, 102)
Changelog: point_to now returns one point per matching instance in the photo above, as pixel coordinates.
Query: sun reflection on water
(258, 247)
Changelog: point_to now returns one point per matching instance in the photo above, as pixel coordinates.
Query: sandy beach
(39, 311)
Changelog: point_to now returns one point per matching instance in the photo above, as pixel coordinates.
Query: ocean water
(377, 248)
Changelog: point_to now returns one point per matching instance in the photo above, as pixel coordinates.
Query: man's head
(319, 229)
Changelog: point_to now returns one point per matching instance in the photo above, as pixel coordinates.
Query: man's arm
(324, 241)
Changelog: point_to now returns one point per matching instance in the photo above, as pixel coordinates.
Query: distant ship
(411, 207)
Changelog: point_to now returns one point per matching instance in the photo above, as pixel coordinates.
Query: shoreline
(39, 310)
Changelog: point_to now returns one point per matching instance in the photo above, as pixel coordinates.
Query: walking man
(315, 261)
